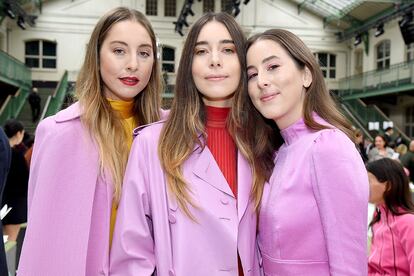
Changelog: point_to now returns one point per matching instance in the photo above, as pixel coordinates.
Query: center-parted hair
(102, 123)
(317, 98)
(185, 127)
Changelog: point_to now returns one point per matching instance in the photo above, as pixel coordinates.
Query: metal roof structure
(354, 17)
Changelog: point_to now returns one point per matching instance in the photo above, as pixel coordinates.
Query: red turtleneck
(223, 148)
(221, 144)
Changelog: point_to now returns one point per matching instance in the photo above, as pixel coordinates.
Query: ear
(307, 77)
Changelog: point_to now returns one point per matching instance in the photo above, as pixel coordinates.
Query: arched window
(40, 54)
(383, 55)
(168, 59)
(327, 62)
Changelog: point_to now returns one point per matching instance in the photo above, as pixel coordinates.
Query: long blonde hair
(102, 123)
(185, 127)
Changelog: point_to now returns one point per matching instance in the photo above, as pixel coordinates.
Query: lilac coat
(153, 233)
(313, 218)
(69, 204)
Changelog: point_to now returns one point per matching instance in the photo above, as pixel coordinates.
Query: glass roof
(347, 13)
(331, 8)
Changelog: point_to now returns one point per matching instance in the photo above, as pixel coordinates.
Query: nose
(132, 65)
(215, 60)
(262, 81)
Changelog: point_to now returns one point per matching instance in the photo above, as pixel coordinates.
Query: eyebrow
(126, 44)
(224, 41)
(264, 61)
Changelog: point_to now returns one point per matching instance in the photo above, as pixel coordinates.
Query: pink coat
(153, 233)
(69, 202)
(392, 249)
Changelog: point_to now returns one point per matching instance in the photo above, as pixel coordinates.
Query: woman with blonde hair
(80, 154)
(186, 208)
(313, 210)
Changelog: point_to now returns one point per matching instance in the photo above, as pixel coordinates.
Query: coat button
(171, 272)
(224, 201)
(171, 218)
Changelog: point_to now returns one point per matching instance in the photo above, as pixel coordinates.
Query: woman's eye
(273, 67)
(200, 51)
(144, 54)
(251, 76)
(228, 50)
(119, 51)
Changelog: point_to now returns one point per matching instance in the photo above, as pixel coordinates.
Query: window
(409, 121)
(383, 55)
(358, 61)
(327, 62)
(168, 59)
(170, 7)
(410, 52)
(226, 5)
(40, 54)
(151, 7)
(208, 6)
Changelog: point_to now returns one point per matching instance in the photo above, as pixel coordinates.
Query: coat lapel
(206, 168)
(244, 184)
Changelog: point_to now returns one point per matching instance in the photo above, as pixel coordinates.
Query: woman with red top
(185, 207)
(392, 246)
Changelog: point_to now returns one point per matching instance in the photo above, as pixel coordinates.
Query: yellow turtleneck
(126, 112)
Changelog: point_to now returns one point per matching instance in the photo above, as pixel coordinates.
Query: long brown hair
(317, 98)
(397, 195)
(102, 123)
(185, 127)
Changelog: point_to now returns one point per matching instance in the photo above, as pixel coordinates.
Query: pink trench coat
(153, 233)
(69, 202)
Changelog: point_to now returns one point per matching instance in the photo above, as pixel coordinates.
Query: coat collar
(207, 169)
(72, 112)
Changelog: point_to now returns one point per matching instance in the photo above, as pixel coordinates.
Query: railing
(371, 113)
(14, 72)
(356, 123)
(13, 105)
(55, 101)
(398, 77)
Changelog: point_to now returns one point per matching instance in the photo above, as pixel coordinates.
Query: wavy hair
(102, 123)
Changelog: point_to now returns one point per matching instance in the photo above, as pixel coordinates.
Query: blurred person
(313, 210)
(392, 226)
(400, 150)
(5, 158)
(389, 131)
(34, 101)
(80, 154)
(381, 149)
(360, 144)
(15, 191)
(407, 160)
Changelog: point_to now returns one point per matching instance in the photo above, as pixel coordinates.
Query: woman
(80, 154)
(381, 149)
(392, 246)
(313, 211)
(15, 190)
(185, 207)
